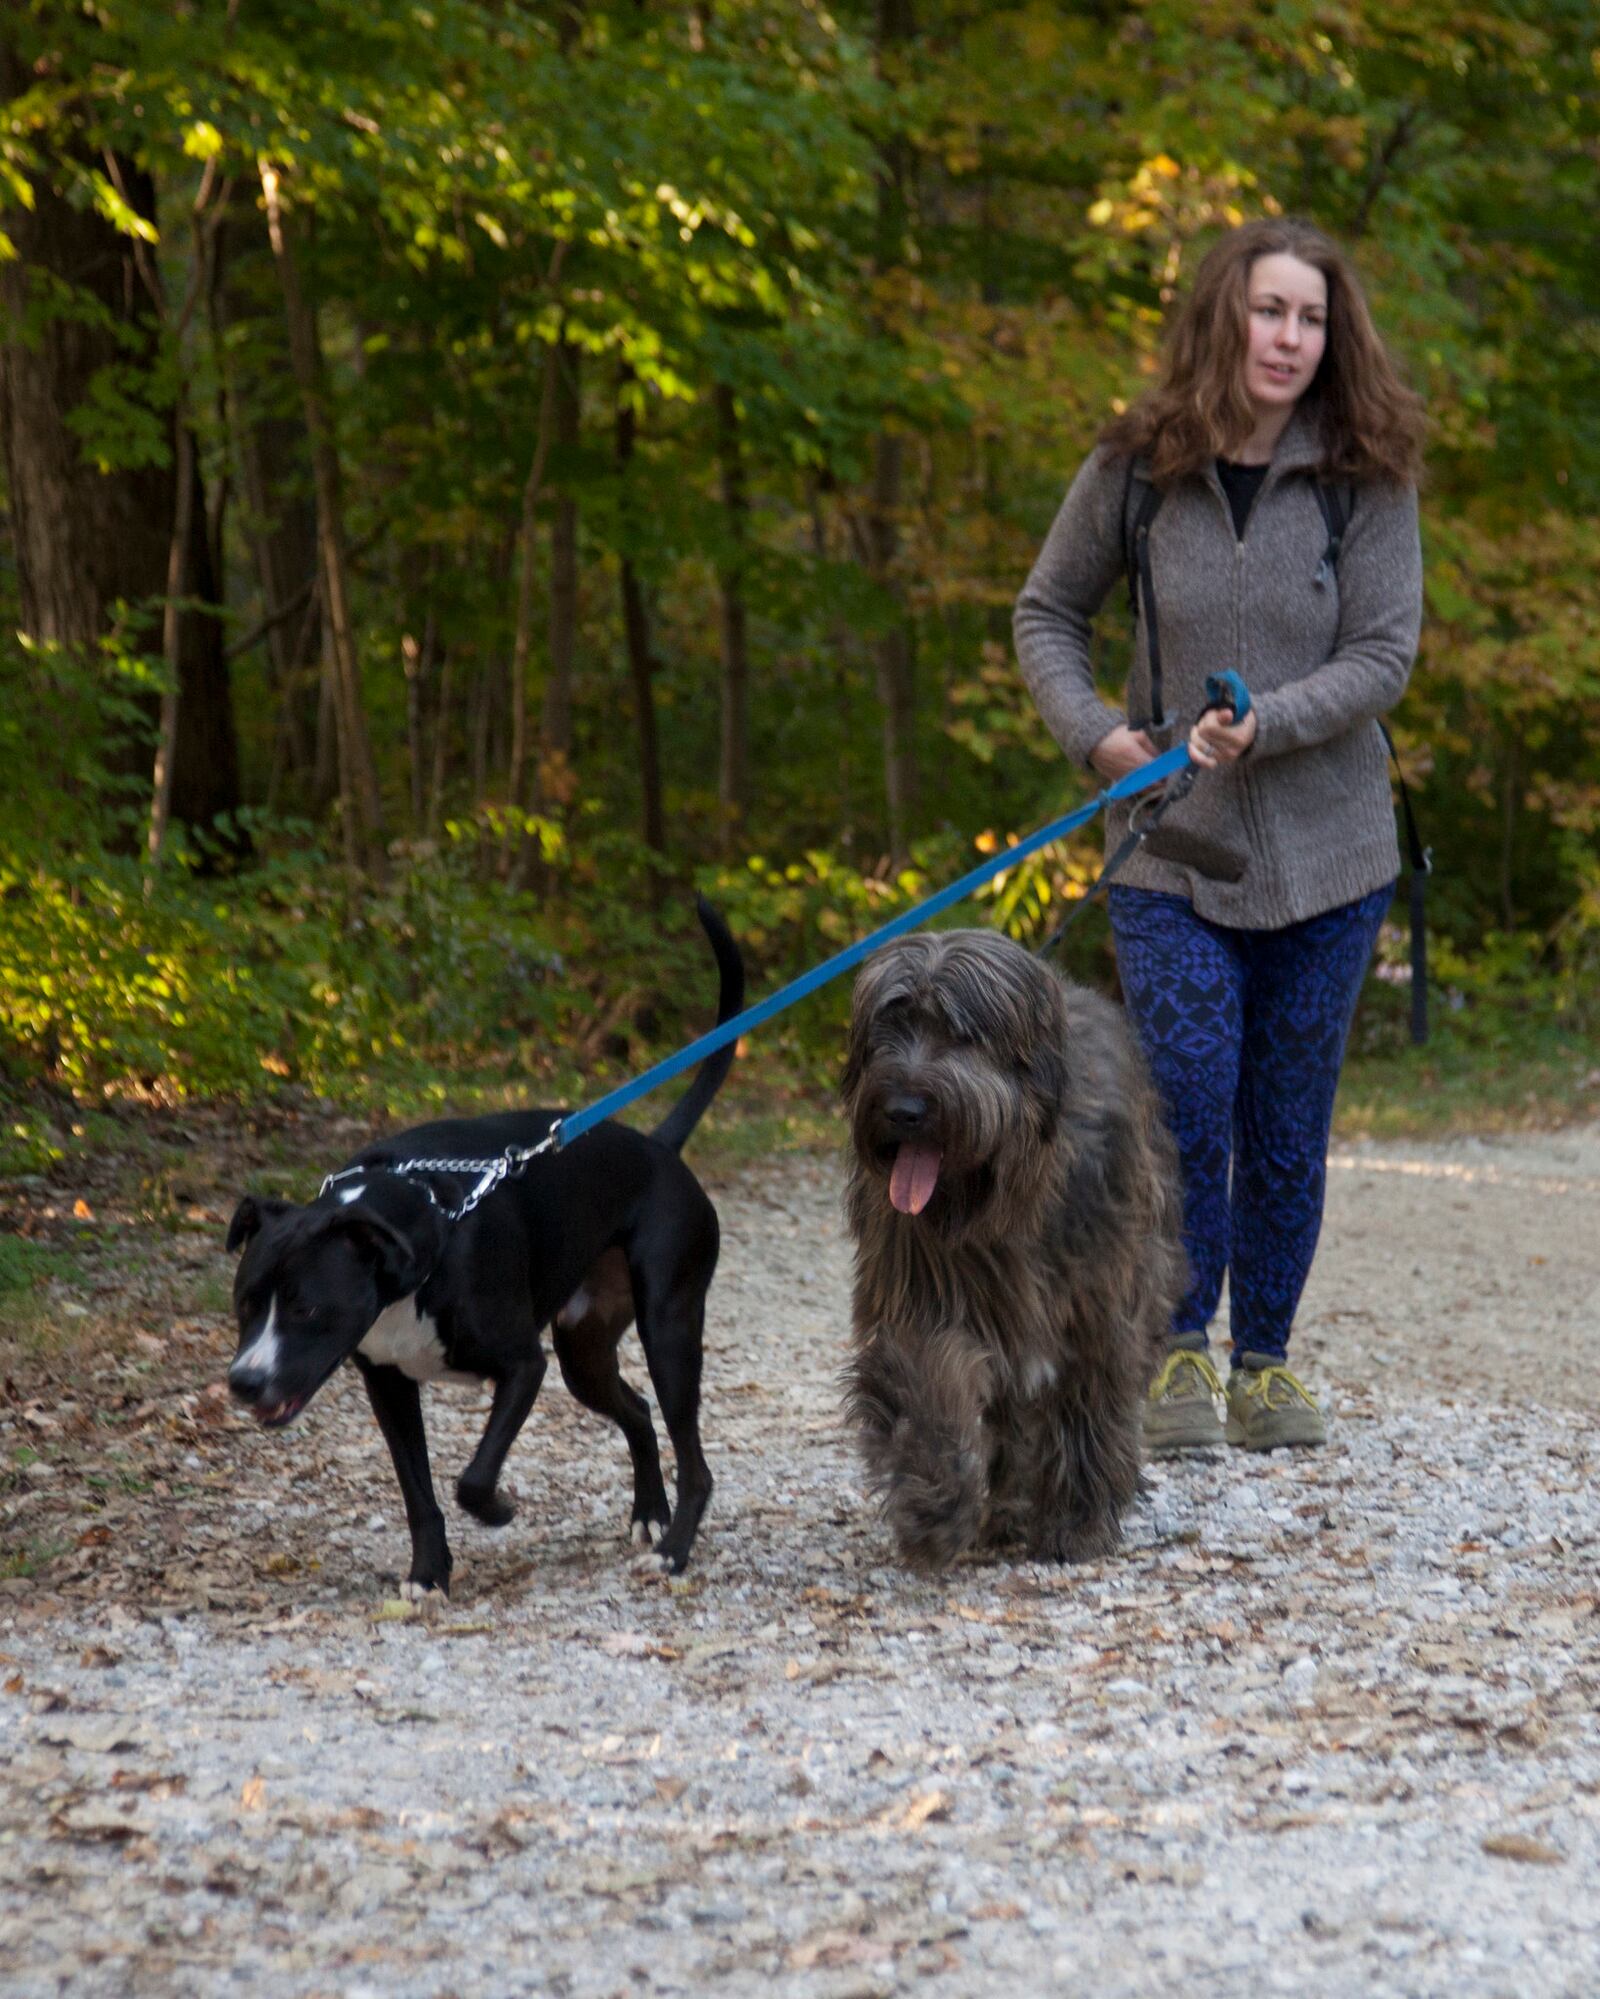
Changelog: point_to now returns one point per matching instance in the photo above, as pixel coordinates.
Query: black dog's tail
(692, 1106)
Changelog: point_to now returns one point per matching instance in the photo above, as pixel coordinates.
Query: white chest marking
(405, 1338)
(349, 1194)
(1037, 1375)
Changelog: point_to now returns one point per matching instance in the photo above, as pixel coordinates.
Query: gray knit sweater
(1304, 820)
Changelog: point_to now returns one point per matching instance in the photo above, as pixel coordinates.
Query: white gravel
(1328, 1724)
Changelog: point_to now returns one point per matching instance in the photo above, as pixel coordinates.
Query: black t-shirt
(1241, 483)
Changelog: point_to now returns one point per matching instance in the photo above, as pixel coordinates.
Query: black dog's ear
(251, 1216)
(401, 1261)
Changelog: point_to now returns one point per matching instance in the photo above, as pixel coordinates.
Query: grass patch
(34, 1323)
(21, 1559)
(25, 1268)
(1518, 1060)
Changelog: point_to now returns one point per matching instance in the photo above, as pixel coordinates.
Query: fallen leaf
(636, 1645)
(925, 1806)
(1519, 1846)
(253, 1797)
(101, 1735)
(97, 1822)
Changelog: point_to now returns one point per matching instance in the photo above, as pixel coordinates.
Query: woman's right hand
(1123, 750)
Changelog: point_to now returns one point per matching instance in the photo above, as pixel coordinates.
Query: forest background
(474, 472)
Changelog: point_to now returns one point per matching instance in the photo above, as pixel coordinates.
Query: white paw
(422, 1593)
(646, 1533)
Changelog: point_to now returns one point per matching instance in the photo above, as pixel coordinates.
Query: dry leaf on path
(927, 1805)
(1519, 1846)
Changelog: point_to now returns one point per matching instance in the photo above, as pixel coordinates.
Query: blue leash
(578, 1122)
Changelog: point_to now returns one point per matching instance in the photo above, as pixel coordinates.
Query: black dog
(374, 1271)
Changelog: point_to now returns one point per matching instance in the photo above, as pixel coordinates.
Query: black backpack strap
(1337, 504)
(1141, 584)
(1419, 859)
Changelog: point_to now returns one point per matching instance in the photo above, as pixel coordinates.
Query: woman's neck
(1259, 446)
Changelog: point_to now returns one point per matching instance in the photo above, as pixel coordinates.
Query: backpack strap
(1337, 504)
(1419, 859)
(1141, 583)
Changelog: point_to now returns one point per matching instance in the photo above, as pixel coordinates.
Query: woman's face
(1288, 314)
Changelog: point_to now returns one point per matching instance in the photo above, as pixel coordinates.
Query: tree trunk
(641, 661)
(566, 414)
(280, 521)
(527, 559)
(83, 538)
(205, 762)
(419, 659)
(177, 585)
(358, 785)
(441, 749)
(733, 774)
(893, 652)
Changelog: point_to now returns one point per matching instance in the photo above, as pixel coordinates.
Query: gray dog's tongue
(913, 1177)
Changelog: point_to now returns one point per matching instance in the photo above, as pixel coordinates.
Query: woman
(1244, 925)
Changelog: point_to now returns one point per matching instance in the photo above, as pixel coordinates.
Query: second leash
(1223, 690)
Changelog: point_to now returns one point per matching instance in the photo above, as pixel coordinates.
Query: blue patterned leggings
(1245, 1032)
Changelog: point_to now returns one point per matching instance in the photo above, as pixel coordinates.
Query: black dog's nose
(248, 1384)
(905, 1112)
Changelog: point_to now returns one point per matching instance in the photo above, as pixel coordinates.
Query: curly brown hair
(1371, 423)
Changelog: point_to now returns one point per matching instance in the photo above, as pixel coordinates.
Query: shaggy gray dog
(1015, 1207)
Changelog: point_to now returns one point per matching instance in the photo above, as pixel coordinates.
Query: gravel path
(1329, 1723)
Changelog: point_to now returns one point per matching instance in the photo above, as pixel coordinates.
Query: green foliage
(23, 1266)
(697, 200)
(109, 973)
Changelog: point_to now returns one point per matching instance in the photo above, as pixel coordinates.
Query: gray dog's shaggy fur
(1015, 1207)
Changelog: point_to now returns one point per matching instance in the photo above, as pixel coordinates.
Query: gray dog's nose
(905, 1112)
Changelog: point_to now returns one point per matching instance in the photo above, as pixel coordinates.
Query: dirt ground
(1328, 1723)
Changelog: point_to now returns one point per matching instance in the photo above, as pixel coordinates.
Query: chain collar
(514, 1160)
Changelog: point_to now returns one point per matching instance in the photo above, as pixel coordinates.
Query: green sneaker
(1267, 1406)
(1183, 1408)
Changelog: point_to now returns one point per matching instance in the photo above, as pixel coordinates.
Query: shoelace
(1259, 1386)
(1176, 1359)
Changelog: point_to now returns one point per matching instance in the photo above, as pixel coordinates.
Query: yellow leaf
(927, 1805)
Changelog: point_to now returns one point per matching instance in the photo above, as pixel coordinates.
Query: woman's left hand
(1218, 739)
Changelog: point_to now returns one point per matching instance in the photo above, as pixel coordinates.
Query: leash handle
(1169, 764)
(1227, 690)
